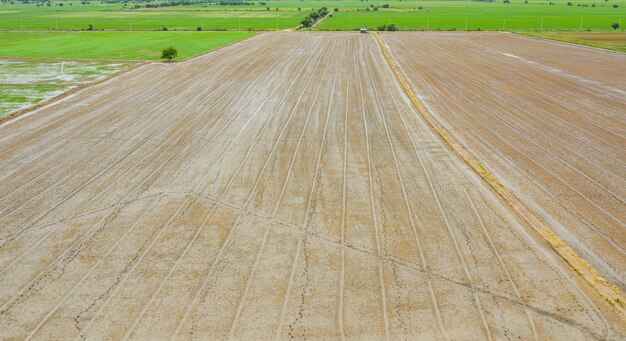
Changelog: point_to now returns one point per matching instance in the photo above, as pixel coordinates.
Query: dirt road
(283, 187)
(546, 118)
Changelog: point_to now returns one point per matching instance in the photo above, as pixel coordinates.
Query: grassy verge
(615, 41)
(112, 45)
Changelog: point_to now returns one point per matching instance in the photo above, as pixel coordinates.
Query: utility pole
(581, 24)
(541, 29)
(130, 23)
(503, 24)
(56, 24)
(202, 26)
(427, 23)
(466, 23)
(21, 24)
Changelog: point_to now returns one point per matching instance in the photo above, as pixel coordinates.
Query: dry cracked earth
(285, 188)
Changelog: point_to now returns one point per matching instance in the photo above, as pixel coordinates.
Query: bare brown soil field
(280, 188)
(547, 118)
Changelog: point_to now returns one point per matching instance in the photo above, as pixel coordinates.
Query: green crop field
(114, 16)
(353, 14)
(473, 15)
(112, 45)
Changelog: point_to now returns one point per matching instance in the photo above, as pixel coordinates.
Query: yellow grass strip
(609, 292)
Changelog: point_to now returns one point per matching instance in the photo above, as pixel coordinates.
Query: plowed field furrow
(551, 128)
(283, 188)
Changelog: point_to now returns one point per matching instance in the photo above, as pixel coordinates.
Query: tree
(314, 15)
(615, 25)
(169, 53)
(307, 22)
(90, 28)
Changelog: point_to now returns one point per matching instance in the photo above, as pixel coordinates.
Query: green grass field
(471, 15)
(615, 41)
(117, 17)
(112, 45)
(433, 15)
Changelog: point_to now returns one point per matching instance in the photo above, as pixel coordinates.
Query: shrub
(164, 28)
(90, 28)
(615, 25)
(199, 28)
(386, 6)
(390, 27)
(336, 9)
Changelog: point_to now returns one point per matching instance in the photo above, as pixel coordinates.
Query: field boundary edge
(610, 293)
(595, 48)
(252, 36)
(135, 65)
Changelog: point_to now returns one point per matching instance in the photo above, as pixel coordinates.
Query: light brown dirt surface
(548, 119)
(280, 188)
